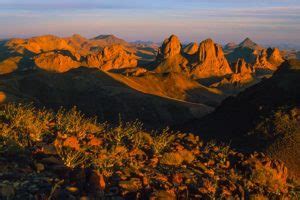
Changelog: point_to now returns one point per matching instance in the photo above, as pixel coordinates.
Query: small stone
(72, 189)
(39, 167)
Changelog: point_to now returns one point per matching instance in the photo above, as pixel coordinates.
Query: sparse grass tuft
(162, 141)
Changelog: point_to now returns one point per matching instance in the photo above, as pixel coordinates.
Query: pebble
(39, 167)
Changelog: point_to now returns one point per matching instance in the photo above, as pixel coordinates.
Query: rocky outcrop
(242, 77)
(211, 61)
(241, 67)
(113, 57)
(191, 48)
(274, 57)
(269, 59)
(56, 62)
(171, 47)
(170, 58)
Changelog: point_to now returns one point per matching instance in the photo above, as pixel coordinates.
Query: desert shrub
(125, 134)
(280, 122)
(107, 160)
(162, 141)
(73, 122)
(73, 158)
(25, 124)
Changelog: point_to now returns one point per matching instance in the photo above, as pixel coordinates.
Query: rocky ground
(46, 155)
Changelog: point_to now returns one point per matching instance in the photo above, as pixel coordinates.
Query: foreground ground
(64, 155)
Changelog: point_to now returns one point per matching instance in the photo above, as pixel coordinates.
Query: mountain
(264, 117)
(62, 54)
(248, 43)
(107, 40)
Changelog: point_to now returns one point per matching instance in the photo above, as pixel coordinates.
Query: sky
(264, 21)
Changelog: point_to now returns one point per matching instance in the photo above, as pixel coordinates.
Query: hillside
(98, 93)
(264, 117)
(64, 155)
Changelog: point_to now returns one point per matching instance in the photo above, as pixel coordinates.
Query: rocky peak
(248, 43)
(211, 60)
(170, 47)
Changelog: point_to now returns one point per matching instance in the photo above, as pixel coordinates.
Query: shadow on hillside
(97, 94)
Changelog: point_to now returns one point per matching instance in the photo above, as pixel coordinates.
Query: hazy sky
(265, 21)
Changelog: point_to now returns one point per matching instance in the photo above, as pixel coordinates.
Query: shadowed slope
(96, 93)
(263, 117)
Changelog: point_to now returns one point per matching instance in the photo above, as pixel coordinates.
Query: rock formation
(113, 57)
(191, 48)
(274, 57)
(241, 67)
(269, 59)
(169, 57)
(211, 61)
(171, 47)
(56, 62)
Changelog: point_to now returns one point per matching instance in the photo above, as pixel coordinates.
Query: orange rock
(95, 142)
(241, 67)
(211, 61)
(55, 62)
(177, 178)
(171, 47)
(269, 59)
